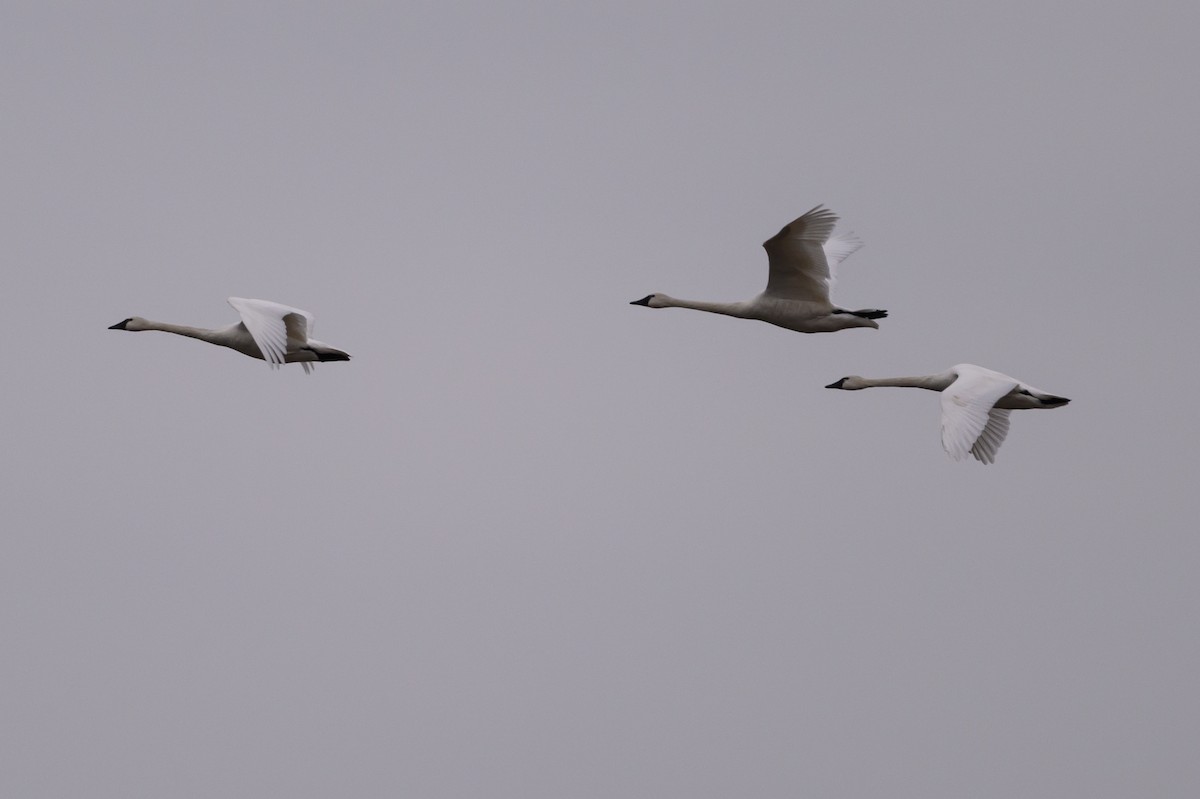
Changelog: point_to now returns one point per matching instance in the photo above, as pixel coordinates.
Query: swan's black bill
(643, 301)
(121, 325)
(1054, 402)
(838, 384)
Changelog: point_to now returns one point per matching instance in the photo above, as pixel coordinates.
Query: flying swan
(975, 405)
(802, 259)
(275, 333)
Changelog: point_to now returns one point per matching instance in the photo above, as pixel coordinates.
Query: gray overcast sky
(533, 541)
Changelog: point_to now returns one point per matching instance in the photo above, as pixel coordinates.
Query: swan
(275, 333)
(976, 403)
(802, 259)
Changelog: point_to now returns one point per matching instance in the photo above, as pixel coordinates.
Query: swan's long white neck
(202, 333)
(937, 382)
(738, 309)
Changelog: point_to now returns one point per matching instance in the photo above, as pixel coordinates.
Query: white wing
(970, 423)
(799, 268)
(989, 441)
(273, 326)
(838, 249)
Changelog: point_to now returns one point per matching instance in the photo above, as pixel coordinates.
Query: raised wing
(273, 326)
(838, 249)
(799, 268)
(970, 422)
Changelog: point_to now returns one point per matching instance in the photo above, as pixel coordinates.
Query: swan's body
(976, 403)
(269, 331)
(802, 261)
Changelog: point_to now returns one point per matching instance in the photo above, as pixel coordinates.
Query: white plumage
(802, 263)
(976, 403)
(275, 333)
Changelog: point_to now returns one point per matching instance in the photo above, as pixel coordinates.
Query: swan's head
(851, 383)
(132, 323)
(652, 301)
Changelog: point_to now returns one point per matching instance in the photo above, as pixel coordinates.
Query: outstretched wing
(799, 268)
(970, 422)
(273, 326)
